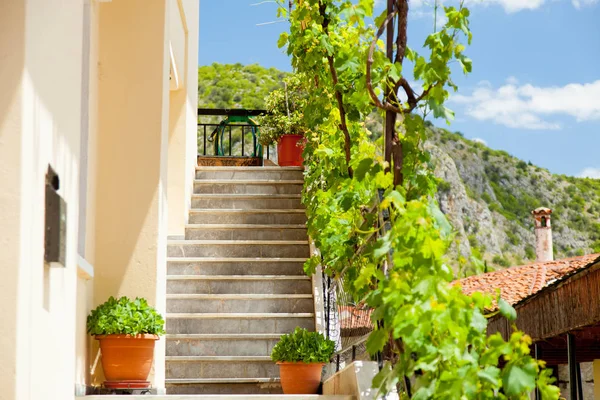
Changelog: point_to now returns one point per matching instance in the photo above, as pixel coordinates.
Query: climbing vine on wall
(435, 336)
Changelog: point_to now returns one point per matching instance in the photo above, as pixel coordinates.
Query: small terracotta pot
(289, 151)
(126, 357)
(300, 377)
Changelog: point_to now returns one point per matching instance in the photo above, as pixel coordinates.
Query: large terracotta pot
(299, 377)
(126, 357)
(289, 151)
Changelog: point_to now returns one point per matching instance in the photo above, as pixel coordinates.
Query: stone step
(237, 248)
(225, 389)
(245, 232)
(240, 284)
(239, 303)
(238, 173)
(221, 389)
(256, 186)
(230, 388)
(182, 367)
(244, 201)
(234, 266)
(234, 323)
(221, 345)
(271, 216)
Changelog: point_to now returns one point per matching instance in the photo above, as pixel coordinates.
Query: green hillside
(236, 85)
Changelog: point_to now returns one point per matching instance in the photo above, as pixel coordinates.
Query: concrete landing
(221, 397)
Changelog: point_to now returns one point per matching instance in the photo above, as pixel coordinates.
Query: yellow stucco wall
(131, 155)
(44, 349)
(39, 125)
(176, 165)
(12, 38)
(183, 115)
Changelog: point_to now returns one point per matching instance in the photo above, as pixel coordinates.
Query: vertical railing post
(254, 146)
(243, 140)
(573, 378)
(328, 307)
(579, 382)
(204, 142)
(537, 353)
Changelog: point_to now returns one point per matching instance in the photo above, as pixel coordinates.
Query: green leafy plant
(125, 317)
(433, 337)
(285, 111)
(302, 345)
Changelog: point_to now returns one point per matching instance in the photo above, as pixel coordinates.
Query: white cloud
(479, 140)
(511, 6)
(420, 3)
(582, 3)
(590, 172)
(528, 107)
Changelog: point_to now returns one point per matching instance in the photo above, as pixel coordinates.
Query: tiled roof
(354, 317)
(518, 283)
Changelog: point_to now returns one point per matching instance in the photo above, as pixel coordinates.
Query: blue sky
(535, 86)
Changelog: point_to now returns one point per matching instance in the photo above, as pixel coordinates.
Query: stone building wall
(587, 377)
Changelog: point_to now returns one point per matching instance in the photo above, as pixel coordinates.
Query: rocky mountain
(487, 194)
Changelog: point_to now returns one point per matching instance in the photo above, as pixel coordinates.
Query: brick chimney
(543, 234)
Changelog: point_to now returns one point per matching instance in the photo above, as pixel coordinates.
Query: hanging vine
(436, 334)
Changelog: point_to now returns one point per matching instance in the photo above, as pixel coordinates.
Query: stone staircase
(235, 282)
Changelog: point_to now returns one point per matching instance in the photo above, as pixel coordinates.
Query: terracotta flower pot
(289, 151)
(300, 377)
(126, 357)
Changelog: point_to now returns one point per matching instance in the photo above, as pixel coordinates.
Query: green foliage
(436, 334)
(501, 261)
(473, 241)
(578, 252)
(443, 186)
(529, 252)
(236, 85)
(125, 316)
(515, 207)
(471, 193)
(513, 238)
(286, 111)
(486, 197)
(305, 346)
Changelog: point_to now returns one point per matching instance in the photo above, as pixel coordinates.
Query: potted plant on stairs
(301, 356)
(284, 122)
(127, 331)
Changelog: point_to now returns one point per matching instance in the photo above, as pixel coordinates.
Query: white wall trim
(85, 270)
(317, 288)
(182, 15)
(173, 73)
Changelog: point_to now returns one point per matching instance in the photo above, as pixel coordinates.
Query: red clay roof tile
(518, 283)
